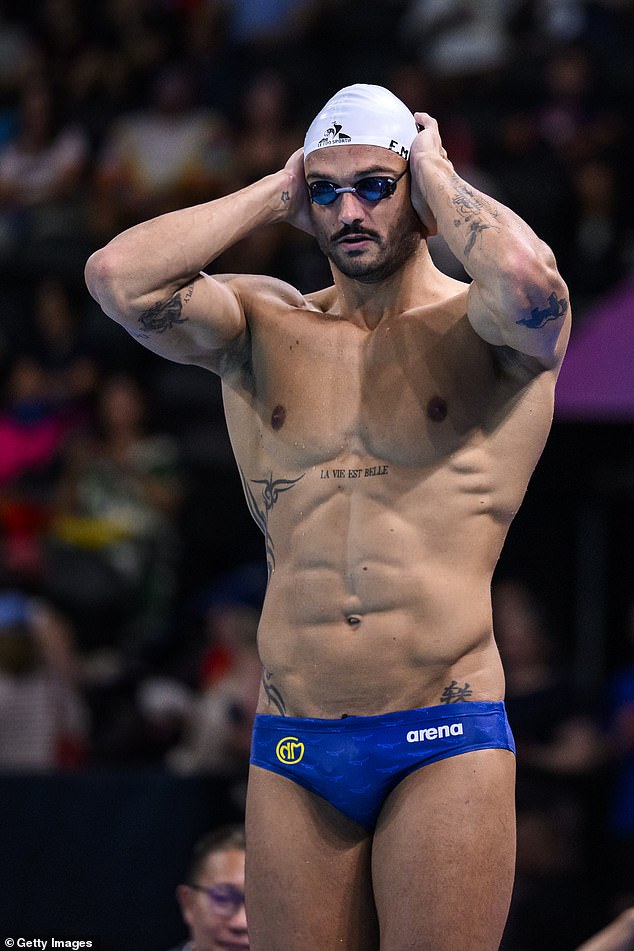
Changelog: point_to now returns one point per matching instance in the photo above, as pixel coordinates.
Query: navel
(437, 409)
(278, 417)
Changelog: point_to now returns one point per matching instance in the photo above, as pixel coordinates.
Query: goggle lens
(374, 188)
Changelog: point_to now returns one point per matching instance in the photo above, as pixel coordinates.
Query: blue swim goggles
(374, 188)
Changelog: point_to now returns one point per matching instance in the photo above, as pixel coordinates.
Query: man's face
(217, 925)
(365, 240)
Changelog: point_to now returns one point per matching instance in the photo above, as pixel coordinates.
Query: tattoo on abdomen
(260, 509)
(162, 316)
(275, 697)
(455, 693)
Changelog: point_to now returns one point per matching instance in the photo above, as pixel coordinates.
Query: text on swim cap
(395, 146)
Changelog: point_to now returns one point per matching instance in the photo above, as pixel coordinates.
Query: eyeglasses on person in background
(226, 899)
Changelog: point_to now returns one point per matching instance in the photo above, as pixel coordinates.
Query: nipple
(278, 417)
(437, 409)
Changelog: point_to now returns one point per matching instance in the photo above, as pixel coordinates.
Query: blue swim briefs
(355, 762)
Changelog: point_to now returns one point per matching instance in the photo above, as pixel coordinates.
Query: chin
(366, 272)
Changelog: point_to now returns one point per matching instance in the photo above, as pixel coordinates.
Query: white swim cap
(363, 115)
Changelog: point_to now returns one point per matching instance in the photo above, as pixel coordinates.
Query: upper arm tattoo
(163, 315)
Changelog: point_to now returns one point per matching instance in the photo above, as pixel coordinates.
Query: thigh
(444, 855)
(308, 879)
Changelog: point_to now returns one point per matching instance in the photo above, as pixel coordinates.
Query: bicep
(200, 323)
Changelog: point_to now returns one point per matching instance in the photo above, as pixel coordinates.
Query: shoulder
(267, 303)
(260, 294)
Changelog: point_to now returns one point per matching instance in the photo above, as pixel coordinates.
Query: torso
(384, 467)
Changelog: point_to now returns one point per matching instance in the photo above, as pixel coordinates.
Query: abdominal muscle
(379, 598)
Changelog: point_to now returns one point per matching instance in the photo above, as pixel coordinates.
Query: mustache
(349, 231)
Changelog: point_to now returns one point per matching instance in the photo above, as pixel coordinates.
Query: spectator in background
(575, 116)
(34, 429)
(459, 41)
(33, 425)
(529, 174)
(42, 186)
(560, 753)
(265, 134)
(258, 29)
(595, 259)
(170, 152)
(217, 729)
(69, 363)
(212, 898)
(43, 716)
(114, 541)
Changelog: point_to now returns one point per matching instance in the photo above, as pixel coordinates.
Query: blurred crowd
(130, 577)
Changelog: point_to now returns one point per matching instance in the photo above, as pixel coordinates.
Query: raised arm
(150, 277)
(518, 298)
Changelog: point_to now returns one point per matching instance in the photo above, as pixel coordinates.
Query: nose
(351, 208)
(238, 922)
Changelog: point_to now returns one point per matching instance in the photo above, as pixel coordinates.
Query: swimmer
(385, 430)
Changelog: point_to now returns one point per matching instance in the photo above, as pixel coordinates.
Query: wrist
(278, 190)
(431, 172)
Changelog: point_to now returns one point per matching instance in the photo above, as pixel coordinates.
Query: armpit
(519, 365)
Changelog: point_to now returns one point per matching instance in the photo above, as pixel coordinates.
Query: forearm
(154, 259)
(518, 297)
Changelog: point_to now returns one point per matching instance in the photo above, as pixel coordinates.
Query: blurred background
(131, 575)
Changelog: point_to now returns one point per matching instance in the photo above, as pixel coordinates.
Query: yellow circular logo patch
(289, 750)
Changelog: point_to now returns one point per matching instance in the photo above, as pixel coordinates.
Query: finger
(424, 118)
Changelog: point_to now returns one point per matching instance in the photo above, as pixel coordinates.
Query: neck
(417, 281)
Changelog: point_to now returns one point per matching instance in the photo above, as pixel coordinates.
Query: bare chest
(406, 393)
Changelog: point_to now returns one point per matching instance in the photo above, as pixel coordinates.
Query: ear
(184, 898)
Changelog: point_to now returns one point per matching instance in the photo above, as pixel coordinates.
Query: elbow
(538, 299)
(539, 293)
(532, 271)
(103, 280)
(98, 274)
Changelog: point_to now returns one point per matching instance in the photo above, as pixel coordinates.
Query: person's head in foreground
(212, 899)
